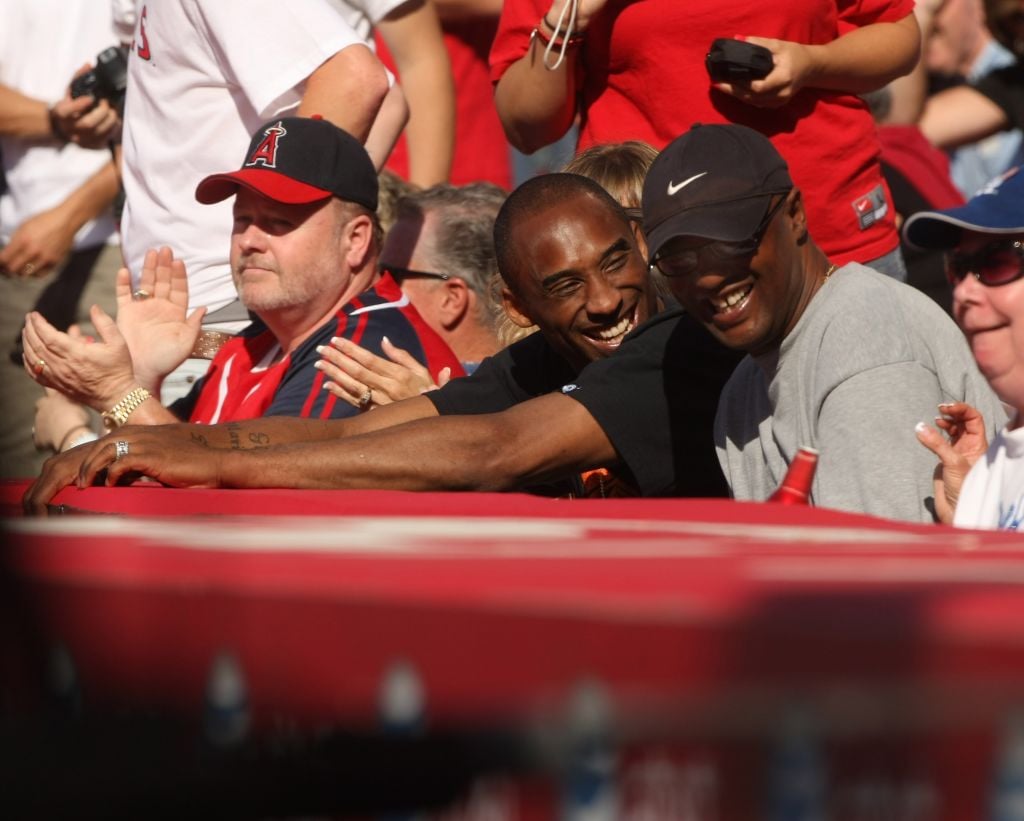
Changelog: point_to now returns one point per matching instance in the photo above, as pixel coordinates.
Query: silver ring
(120, 449)
(28, 268)
(140, 294)
(364, 400)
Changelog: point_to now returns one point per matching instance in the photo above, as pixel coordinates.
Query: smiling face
(749, 302)
(992, 319)
(284, 256)
(580, 277)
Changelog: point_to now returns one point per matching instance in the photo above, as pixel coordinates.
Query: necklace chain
(831, 270)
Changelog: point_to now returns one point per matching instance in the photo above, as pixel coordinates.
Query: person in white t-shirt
(984, 240)
(58, 244)
(201, 76)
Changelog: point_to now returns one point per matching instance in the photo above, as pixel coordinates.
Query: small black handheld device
(107, 80)
(729, 61)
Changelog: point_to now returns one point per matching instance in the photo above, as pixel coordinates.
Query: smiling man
(596, 387)
(303, 250)
(843, 360)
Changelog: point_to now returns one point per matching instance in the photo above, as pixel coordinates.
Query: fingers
(937, 444)
(97, 458)
(400, 356)
(58, 472)
(147, 277)
(179, 283)
(444, 376)
(340, 384)
(123, 287)
(164, 268)
(105, 325)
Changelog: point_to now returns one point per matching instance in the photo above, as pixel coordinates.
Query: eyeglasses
(686, 262)
(998, 263)
(405, 273)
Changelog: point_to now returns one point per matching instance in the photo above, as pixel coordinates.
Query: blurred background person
(58, 244)
(636, 71)
(410, 34)
(481, 151)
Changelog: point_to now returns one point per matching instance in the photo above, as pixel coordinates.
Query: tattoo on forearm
(199, 439)
(259, 440)
(235, 439)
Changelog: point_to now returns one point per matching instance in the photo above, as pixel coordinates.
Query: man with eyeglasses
(440, 251)
(984, 244)
(304, 248)
(844, 360)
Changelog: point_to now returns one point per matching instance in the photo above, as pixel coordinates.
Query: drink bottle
(796, 484)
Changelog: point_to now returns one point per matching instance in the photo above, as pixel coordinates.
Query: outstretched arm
(534, 441)
(198, 447)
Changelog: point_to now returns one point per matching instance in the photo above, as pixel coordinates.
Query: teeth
(615, 331)
(730, 300)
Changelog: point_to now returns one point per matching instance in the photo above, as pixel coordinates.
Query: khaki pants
(64, 296)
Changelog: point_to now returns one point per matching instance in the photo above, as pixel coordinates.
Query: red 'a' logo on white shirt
(265, 153)
(142, 49)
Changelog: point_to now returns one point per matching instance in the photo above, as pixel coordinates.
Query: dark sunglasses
(405, 273)
(998, 263)
(686, 262)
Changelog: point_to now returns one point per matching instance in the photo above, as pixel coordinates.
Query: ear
(456, 301)
(797, 216)
(641, 240)
(358, 237)
(514, 311)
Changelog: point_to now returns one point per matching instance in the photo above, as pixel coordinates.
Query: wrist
(56, 130)
(117, 414)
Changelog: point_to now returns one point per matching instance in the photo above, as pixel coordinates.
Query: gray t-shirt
(868, 360)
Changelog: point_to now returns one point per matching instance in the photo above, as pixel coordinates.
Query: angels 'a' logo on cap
(265, 153)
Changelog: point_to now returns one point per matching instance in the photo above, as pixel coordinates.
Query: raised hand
(967, 443)
(152, 318)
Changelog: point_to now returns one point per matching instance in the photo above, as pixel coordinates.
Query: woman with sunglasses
(984, 244)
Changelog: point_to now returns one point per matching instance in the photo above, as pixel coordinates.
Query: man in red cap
(304, 261)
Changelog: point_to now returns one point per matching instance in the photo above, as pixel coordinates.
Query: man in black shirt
(560, 402)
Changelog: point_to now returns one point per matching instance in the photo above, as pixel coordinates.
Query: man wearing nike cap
(303, 255)
(842, 360)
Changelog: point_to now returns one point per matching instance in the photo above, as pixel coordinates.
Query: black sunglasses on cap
(998, 263)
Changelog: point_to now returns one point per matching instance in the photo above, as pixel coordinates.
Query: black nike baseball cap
(299, 160)
(714, 182)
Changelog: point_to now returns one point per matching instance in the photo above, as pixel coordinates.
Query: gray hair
(463, 241)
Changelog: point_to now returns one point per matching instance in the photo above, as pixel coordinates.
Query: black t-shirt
(1005, 88)
(655, 398)
(524, 370)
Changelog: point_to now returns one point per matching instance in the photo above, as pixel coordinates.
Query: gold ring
(140, 295)
(39, 367)
(364, 400)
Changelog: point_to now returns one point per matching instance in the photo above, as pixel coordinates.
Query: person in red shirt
(636, 71)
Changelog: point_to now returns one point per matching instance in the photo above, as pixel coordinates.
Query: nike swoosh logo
(675, 189)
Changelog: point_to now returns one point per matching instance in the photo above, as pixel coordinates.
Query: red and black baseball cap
(299, 160)
(713, 182)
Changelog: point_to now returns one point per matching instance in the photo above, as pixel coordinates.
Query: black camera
(732, 60)
(107, 80)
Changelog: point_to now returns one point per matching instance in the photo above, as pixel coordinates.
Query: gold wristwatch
(118, 415)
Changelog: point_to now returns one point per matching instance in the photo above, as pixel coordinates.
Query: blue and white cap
(998, 208)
